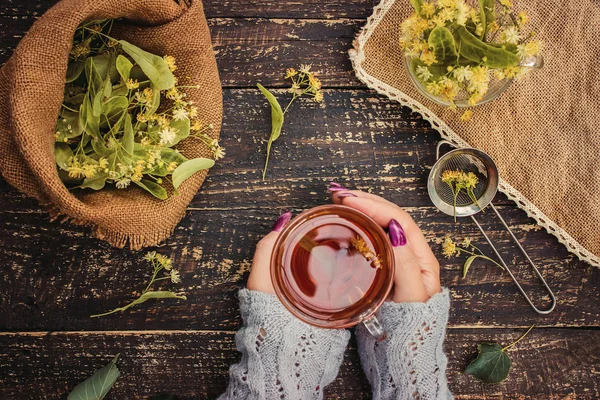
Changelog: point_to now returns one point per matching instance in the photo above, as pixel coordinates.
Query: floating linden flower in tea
(363, 248)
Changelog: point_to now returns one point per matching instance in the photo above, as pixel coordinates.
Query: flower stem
(519, 339)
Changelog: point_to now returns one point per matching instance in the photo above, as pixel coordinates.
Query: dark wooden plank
(549, 364)
(256, 49)
(236, 8)
(56, 276)
(356, 137)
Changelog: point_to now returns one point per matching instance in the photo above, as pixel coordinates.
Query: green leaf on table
(99, 384)
(472, 48)
(124, 67)
(492, 364)
(158, 294)
(155, 67)
(189, 168)
(74, 70)
(276, 122)
(442, 42)
(467, 265)
(62, 154)
(153, 188)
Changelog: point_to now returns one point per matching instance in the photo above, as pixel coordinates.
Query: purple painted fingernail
(336, 187)
(282, 221)
(342, 195)
(397, 236)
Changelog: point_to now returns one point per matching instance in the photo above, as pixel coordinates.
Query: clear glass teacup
(333, 267)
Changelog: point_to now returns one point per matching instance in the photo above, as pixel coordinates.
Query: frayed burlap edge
(357, 56)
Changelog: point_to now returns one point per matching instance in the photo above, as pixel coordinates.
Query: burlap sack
(31, 92)
(542, 132)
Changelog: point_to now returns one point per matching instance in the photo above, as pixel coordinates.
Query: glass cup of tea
(333, 267)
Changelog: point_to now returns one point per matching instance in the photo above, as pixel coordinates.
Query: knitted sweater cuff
(411, 359)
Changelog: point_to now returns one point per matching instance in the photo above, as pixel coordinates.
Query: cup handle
(536, 62)
(374, 327)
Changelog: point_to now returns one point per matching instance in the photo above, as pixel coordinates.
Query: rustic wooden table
(53, 275)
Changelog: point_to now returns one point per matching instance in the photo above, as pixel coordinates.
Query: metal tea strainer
(482, 165)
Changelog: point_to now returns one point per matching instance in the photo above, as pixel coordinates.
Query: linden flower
(171, 166)
(493, 27)
(523, 18)
(175, 278)
(193, 112)
(168, 135)
(423, 73)
(305, 68)
(123, 183)
(318, 96)
(462, 74)
(180, 114)
(103, 163)
(428, 57)
(170, 60)
(449, 248)
(173, 94)
(466, 116)
(290, 72)
(529, 49)
(219, 153)
(314, 82)
(89, 171)
(427, 9)
(462, 13)
(510, 35)
(506, 3)
(466, 242)
(131, 84)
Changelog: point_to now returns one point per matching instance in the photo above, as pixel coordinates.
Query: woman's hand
(260, 274)
(417, 276)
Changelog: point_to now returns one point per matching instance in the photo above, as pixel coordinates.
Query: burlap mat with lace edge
(31, 87)
(539, 132)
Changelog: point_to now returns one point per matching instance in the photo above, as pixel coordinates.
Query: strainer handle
(538, 273)
(439, 145)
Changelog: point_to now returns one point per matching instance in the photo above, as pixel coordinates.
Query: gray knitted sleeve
(282, 357)
(410, 363)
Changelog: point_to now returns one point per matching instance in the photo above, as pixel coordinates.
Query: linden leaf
(153, 188)
(95, 183)
(467, 265)
(99, 384)
(442, 42)
(487, 14)
(155, 67)
(124, 67)
(74, 70)
(472, 48)
(62, 154)
(417, 5)
(491, 365)
(276, 122)
(189, 168)
(182, 127)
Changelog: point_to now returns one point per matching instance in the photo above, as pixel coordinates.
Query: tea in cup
(333, 267)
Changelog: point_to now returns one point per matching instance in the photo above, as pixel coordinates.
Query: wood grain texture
(251, 50)
(549, 364)
(53, 275)
(313, 9)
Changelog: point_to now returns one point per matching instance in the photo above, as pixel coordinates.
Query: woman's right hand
(417, 275)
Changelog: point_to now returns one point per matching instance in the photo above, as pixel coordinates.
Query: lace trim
(357, 56)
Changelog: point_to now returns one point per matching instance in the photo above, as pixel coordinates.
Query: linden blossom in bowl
(462, 55)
